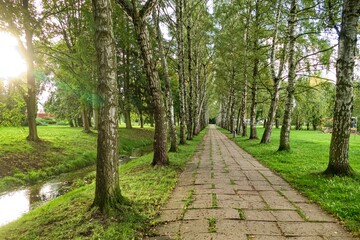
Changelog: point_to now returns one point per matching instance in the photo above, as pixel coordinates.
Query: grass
(241, 214)
(212, 225)
(214, 200)
(144, 187)
(302, 168)
(188, 200)
(62, 149)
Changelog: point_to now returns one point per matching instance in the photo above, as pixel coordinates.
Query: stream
(16, 203)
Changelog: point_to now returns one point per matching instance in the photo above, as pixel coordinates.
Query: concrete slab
(267, 202)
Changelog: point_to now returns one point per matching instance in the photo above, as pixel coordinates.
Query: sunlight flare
(12, 64)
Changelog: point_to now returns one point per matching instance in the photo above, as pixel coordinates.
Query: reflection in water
(49, 191)
(16, 203)
(13, 205)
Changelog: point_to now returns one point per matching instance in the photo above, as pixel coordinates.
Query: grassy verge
(303, 165)
(62, 149)
(69, 217)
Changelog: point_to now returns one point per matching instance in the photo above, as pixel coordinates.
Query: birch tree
(168, 94)
(276, 69)
(339, 146)
(107, 190)
(286, 125)
(181, 67)
(138, 17)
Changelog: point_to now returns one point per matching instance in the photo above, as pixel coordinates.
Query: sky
(12, 64)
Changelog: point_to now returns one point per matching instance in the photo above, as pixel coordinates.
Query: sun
(12, 64)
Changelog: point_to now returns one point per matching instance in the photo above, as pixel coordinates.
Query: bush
(49, 120)
(327, 122)
(62, 123)
(40, 122)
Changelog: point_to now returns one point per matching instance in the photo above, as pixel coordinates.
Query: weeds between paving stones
(212, 225)
(241, 213)
(214, 201)
(213, 186)
(302, 214)
(298, 210)
(188, 200)
(232, 182)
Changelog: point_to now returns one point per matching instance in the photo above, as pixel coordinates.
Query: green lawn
(145, 189)
(62, 149)
(303, 165)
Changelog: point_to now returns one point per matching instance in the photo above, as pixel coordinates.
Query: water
(16, 203)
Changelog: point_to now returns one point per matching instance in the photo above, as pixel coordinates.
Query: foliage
(69, 217)
(302, 168)
(314, 101)
(12, 106)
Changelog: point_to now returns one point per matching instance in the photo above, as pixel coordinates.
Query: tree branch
(315, 53)
(126, 7)
(146, 9)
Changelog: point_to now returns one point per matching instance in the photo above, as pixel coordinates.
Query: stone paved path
(225, 193)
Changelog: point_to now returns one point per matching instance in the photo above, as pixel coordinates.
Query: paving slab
(252, 202)
(263, 228)
(314, 213)
(259, 215)
(287, 216)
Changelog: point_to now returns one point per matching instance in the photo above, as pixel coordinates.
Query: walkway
(225, 193)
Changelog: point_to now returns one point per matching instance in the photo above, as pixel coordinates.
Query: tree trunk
(96, 117)
(243, 109)
(107, 190)
(314, 124)
(275, 77)
(190, 77)
(272, 113)
(141, 119)
(253, 133)
(238, 122)
(141, 31)
(89, 117)
(127, 104)
(127, 118)
(181, 69)
(196, 91)
(286, 124)
(30, 99)
(151, 119)
(245, 75)
(339, 146)
(232, 126)
(85, 119)
(297, 123)
(168, 94)
(228, 121)
(223, 114)
(71, 123)
(254, 87)
(199, 119)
